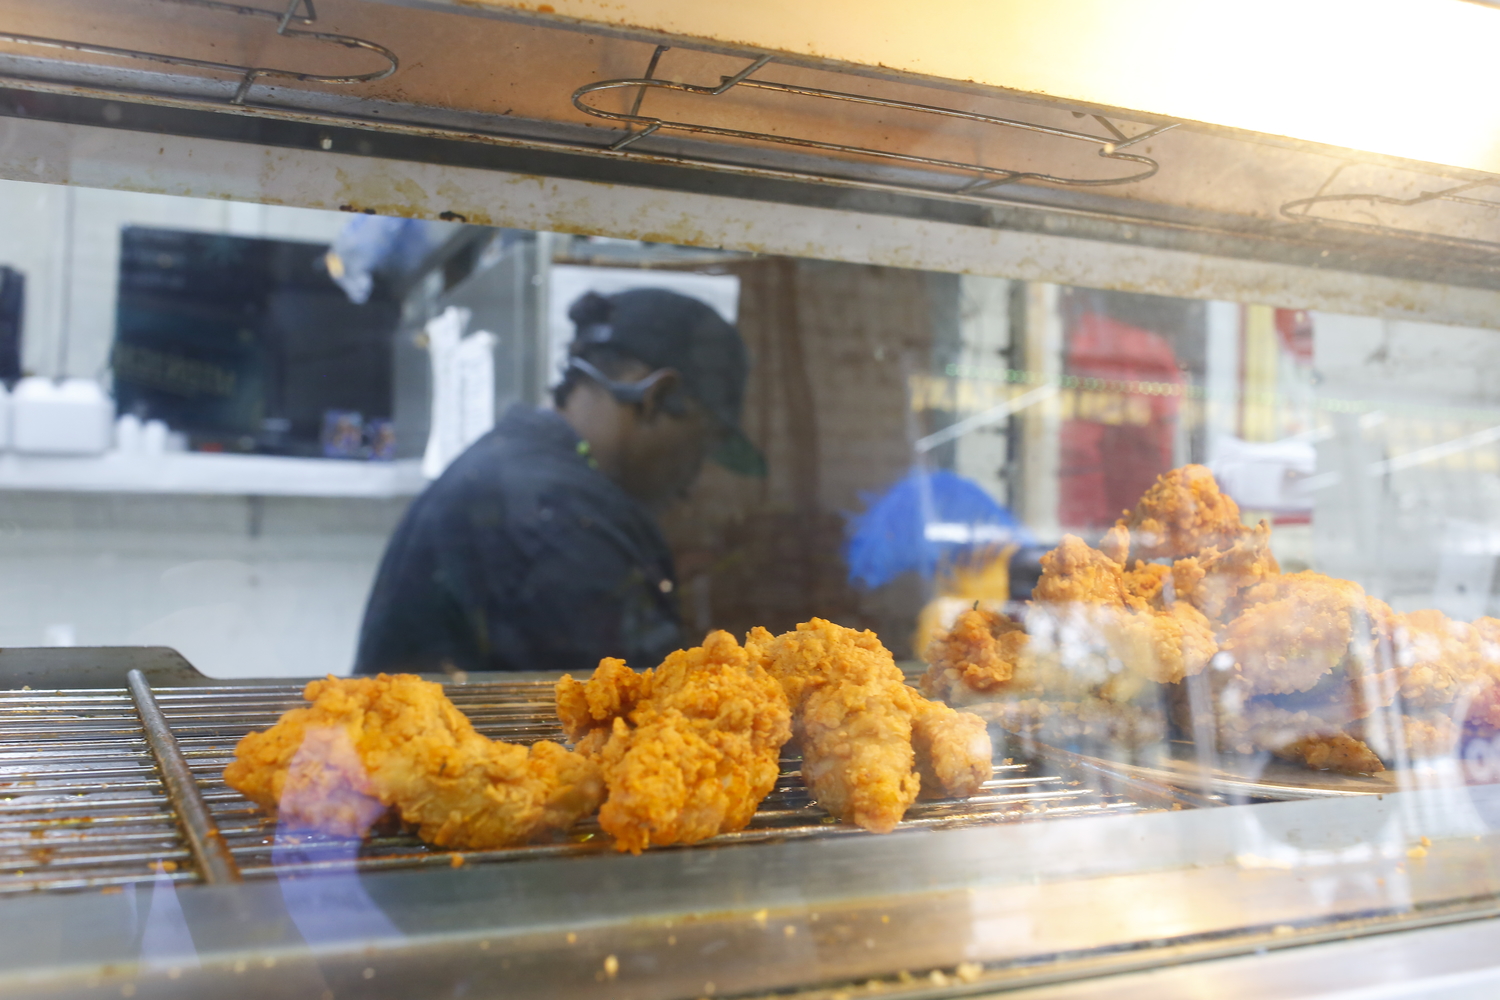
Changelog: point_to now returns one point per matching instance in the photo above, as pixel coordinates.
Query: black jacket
(521, 556)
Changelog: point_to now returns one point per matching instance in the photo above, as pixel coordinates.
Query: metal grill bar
(81, 804)
(210, 853)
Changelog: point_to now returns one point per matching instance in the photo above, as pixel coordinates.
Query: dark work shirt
(521, 556)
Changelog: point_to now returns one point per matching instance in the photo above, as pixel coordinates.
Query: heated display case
(1127, 373)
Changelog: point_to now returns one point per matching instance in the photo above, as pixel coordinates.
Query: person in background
(538, 548)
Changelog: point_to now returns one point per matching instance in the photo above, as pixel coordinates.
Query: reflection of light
(1406, 79)
(963, 534)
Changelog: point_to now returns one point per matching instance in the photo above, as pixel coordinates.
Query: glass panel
(1204, 581)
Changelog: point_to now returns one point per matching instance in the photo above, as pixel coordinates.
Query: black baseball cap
(666, 330)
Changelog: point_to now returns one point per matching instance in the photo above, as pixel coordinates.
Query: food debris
(760, 917)
(1426, 842)
(671, 939)
(611, 966)
(368, 973)
(789, 930)
(937, 977)
(1282, 930)
(885, 918)
(969, 972)
(457, 861)
(572, 938)
(1417, 852)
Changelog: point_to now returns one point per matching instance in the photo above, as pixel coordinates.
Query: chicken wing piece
(953, 751)
(1182, 514)
(371, 744)
(696, 751)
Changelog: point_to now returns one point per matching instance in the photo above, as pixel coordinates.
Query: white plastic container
(128, 434)
(71, 417)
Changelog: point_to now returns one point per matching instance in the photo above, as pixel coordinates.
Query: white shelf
(199, 473)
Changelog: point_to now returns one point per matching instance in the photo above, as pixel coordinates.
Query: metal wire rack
(248, 75)
(84, 803)
(1110, 146)
(1445, 189)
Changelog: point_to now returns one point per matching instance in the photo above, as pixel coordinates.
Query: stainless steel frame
(963, 900)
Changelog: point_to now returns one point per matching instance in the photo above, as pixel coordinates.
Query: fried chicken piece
(1163, 646)
(1182, 514)
(692, 747)
(1074, 572)
(954, 755)
(1214, 580)
(1338, 752)
(1441, 661)
(1484, 707)
(611, 693)
(853, 712)
(370, 744)
(857, 722)
(1146, 584)
(1300, 627)
(976, 655)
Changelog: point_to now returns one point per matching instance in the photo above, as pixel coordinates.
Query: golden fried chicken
(370, 744)
(1074, 572)
(855, 721)
(611, 693)
(1162, 646)
(1300, 627)
(975, 656)
(1440, 660)
(1214, 580)
(687, 750)
(1182, 514)
(1336, 752)
(954, 756)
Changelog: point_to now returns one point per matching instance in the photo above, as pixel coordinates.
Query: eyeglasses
(632, 393)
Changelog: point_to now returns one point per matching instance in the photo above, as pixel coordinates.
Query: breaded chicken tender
(1182, 514)
(688, 750)
(370, 744)
(856, 723)
(953, 752)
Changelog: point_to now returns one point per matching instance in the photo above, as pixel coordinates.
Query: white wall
(242, 587)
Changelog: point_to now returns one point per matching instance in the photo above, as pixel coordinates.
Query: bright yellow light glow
(1408, 78)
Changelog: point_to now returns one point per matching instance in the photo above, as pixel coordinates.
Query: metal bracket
(1456, 192)
(1109, 146)
(249, 75)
